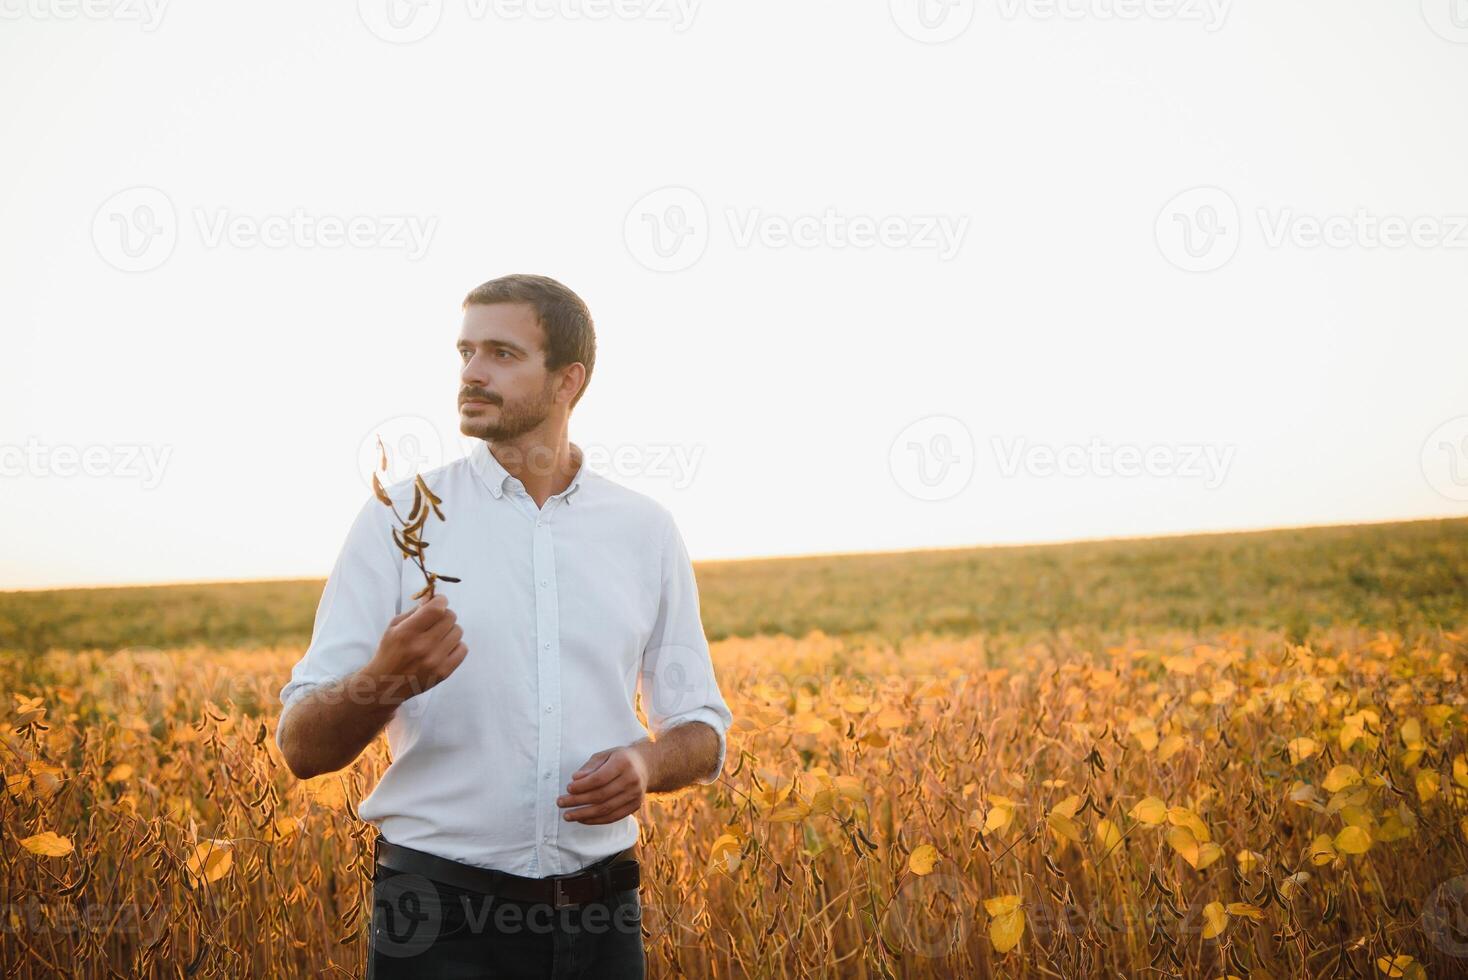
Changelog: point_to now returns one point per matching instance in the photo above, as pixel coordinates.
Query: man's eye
(502, 351)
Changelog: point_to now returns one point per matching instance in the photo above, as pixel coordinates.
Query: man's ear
(571, 382)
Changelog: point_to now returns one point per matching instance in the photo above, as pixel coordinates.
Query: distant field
(1382, 575)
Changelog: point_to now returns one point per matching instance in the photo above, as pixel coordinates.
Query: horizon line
(795, 556)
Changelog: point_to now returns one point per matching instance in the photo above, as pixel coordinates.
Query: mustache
(474, 393)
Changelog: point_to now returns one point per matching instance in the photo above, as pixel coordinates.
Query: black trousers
(427, 929)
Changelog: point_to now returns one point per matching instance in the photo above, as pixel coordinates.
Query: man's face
(505, 389)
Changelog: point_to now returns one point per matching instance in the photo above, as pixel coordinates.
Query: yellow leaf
(47, 843)
(1171, 746)
(120, 773)
(1068, 806)
(1248, 861)
(1245, 910)
(1322, 850)
(1293, 885)
(210, 861)
(1108, 836)
(922, 859)
(1302, 749)
(1064, 827)
(891, 718)
(1207, 854)
(280, 828)
(1184, 843)
(725, 853)
(1340, 777)
(1150, 811)
(1007, 922)
(1001, 905)
(1353, 840)
(1215, 920)
(1427, 784)
(1181, 816)
(1145, 732)
(1401, 965)
(789, 813)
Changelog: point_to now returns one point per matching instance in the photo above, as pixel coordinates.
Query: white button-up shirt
(566, 610)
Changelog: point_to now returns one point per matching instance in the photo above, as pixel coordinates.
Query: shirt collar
(494, 475)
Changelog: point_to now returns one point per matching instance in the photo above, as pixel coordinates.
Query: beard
(515, 417)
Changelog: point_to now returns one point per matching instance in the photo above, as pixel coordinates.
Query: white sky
(1327, 381)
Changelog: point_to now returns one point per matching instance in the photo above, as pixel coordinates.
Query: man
(507, 815)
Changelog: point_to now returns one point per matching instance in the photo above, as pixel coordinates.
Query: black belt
(614, 873)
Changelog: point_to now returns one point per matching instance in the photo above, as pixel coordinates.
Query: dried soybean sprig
(409, 539)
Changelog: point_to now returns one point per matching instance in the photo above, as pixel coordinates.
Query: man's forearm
(330, 726)
(679, 756)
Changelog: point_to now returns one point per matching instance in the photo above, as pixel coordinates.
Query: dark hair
(565, 318)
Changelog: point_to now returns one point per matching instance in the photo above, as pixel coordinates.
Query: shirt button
(547, 774)
(546, 837)
(538, 523)
(542, 583)
(547, 709)
(547, 646)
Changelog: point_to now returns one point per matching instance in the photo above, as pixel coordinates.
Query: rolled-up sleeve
(360, 599)
(677, 677)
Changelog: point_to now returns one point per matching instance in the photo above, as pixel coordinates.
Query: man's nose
(473, 373)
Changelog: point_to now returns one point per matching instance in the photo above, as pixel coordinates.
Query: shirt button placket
(547, 631)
